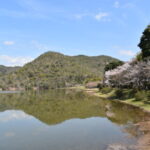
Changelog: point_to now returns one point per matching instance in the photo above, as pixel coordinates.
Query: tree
(145, 43)
(113, 65)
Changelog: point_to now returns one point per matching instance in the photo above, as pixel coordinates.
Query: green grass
(140, 104)
(137, 98)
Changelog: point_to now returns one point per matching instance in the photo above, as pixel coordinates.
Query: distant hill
(6, 70)
(55, 70)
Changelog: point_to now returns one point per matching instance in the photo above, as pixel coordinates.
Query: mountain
(55, 70)
(6, 70)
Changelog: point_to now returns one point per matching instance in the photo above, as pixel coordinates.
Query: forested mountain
(5, 70)
(55, 70)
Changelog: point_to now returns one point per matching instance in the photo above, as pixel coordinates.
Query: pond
(69, 120)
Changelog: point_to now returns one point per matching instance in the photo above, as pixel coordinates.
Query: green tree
(113, 65)
(145, 43)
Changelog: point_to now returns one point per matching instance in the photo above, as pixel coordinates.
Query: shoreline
(97, 93)
(131, 101)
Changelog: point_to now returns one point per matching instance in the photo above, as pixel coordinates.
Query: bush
(119, 93)
(106, 90)
(92, 79)
(131, 93)
(143, 96)
(124, 94)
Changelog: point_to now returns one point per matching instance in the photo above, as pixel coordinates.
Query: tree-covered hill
(6, 70)
(55, 70)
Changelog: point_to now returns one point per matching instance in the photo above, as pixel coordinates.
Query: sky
(29, 28)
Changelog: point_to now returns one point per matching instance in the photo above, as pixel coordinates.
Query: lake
(69, 120)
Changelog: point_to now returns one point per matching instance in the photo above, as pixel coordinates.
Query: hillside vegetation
(55, 70)
(6, 70)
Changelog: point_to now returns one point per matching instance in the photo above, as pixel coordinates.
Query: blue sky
(29, 28)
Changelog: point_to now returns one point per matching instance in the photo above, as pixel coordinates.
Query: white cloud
(126, 53)
(14, 61)
(8, 42)
(116, 4)
(100, 16)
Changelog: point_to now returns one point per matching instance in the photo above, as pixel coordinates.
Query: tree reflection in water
(56, 106)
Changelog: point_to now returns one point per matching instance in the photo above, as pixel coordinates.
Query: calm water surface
(65, 120)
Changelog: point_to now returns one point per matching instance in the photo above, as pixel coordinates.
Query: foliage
(119, 93)
(87, 80)
(55, 70)
(139, 57)
(113, 65)
(6, 70)
(126, 94)
(145, 43)
(106, 90)
(143, 96)
(123, 94)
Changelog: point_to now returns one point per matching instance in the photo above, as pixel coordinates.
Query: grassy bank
(133, 97)
(130, 96)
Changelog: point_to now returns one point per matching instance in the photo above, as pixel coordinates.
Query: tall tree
(145, 43)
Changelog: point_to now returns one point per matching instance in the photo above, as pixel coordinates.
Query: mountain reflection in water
(69, 120)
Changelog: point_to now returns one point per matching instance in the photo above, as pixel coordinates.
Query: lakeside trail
(143, 126)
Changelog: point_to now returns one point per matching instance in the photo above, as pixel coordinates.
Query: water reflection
(66, 120)
(13, 115)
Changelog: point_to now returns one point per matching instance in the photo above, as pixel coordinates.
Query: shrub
(143, 96)
(92, 79)
(131, 93)
(106, 90)
(119, 93)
